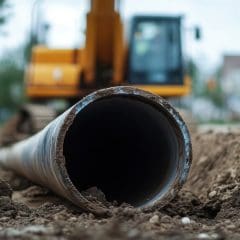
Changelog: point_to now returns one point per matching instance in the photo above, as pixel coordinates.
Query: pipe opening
(124, 146)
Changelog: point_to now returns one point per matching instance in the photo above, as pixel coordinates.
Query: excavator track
(30, 119)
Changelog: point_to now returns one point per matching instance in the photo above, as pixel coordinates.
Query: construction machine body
(151, 59)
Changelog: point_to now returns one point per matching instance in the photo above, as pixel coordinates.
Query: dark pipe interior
(123, 146)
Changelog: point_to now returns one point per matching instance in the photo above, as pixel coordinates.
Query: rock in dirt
(185, 220)
(203, 236)
(95, 194)
(212, 194)
(154, 219)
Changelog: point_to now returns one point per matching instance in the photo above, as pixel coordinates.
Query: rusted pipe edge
(183, 164)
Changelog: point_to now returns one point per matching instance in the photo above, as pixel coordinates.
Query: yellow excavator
(151, 59)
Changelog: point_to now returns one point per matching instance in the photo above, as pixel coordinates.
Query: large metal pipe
(129, 143)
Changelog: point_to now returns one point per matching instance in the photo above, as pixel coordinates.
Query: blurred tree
(194, 73)
(217, 94)
(13, 62)
(11, 81)
(11, 70)
(3, 13)
(210, 89)
(213, 89)
(27, 48)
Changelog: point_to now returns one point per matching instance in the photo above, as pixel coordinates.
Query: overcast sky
(218, 19)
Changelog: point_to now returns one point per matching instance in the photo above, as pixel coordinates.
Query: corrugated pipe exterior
(129, 143)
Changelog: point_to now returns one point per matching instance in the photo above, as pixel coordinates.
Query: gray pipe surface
(129, 143)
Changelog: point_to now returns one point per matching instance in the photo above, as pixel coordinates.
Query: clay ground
(207, 208)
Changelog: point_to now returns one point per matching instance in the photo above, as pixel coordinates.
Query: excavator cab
(155, 56)
(155, 52)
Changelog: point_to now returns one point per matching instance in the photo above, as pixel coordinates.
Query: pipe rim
(185, 147)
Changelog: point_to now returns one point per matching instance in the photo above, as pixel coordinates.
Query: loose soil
(208, 207)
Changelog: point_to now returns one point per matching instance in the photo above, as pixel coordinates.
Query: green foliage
(12, 64)
(11, 82)
(201, 88)
(27, 49)
(216, 95)
(3, 13)
(194, 73)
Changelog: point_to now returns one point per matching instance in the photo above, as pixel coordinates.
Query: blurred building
(231, 72)
(231, 83)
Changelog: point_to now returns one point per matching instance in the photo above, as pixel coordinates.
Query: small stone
(11, 232)
(166, 219)
(5, 219)
(193, 222)
(203, 236)
(23, 214)
(212, 194)
(205, 227)
(91, 216)
(133, 233)
(154, 219)
(37, 229)
(185, 220)
(95, 193)
(231, 227)
(227, 222)
(73, 219)
(41, 221)
(215, 236)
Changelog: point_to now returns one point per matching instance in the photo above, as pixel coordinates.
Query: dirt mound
(207, 208)
(216, 162)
